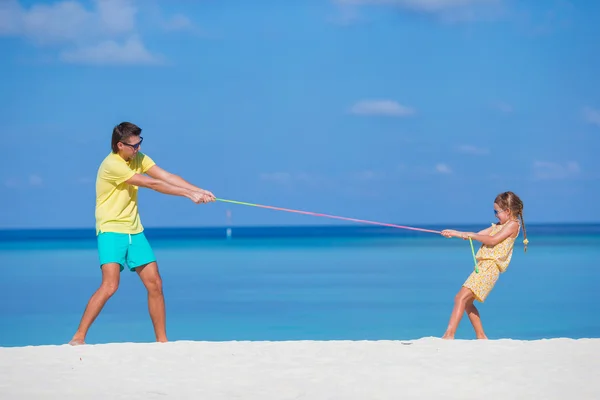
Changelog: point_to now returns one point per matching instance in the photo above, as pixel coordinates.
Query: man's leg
(110, 283)
(156, 301)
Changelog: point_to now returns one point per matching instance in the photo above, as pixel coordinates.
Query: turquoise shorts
(127, 250)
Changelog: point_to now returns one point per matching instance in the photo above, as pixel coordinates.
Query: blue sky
(400, 111)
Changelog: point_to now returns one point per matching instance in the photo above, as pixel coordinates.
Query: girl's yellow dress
(492, 261)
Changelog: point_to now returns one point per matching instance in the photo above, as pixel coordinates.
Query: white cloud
(178, 22)
(8, 23)
(131, 52)
(545, 170)
(369, 175)
(421, 5)
(503, 107)
(31, 180)
(448, 10)
(469, 149)
(66, 22)
(11, 183)
(277, 177)
(289, 179)
(381, 107)
(443, 168)
(592, 116)
(346, 16)
(306, 178)
(106, 33)
(35, 180)
(84, 180)
(117, 16)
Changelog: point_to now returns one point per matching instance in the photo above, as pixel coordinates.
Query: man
(121, 240)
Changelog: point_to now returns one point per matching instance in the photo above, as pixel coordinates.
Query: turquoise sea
(300, 283)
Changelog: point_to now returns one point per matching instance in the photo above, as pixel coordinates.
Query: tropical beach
(315, 313)
(427, 368)
(318, 199)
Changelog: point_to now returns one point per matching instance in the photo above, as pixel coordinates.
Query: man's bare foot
(76, 342)
(448, 336)
(482, 337)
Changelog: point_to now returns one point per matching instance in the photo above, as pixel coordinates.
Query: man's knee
(110, 278)
(154, 285)
(151, 278)
(109, 288)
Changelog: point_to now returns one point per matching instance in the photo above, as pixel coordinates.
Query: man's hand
(209, 195)
(196, 197)
(207, 198)
(200, 197)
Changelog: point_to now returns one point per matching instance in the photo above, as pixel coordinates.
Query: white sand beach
(428, 368)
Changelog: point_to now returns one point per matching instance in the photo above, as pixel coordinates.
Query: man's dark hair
(122, 132)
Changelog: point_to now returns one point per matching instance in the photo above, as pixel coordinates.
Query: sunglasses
(496, 212)
(135, 146)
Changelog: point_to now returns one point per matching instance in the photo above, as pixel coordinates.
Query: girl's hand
(449, 233)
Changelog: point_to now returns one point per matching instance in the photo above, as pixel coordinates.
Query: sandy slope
(423, 369)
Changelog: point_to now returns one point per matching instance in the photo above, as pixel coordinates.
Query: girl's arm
(510, 229)
(453, 233)
(483, 232)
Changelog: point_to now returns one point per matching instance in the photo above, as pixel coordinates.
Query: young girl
(492, 259)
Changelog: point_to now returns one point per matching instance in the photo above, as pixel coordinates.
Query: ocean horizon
(310, 282)
(305, 230)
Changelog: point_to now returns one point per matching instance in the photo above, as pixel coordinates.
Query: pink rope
(330, 216)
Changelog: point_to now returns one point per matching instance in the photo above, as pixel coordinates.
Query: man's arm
(164, 187)
(158, 173)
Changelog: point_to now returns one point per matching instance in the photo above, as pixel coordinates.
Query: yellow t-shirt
(116, 201)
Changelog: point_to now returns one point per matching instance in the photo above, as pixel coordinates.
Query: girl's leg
(473, 314)
(463, 297)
